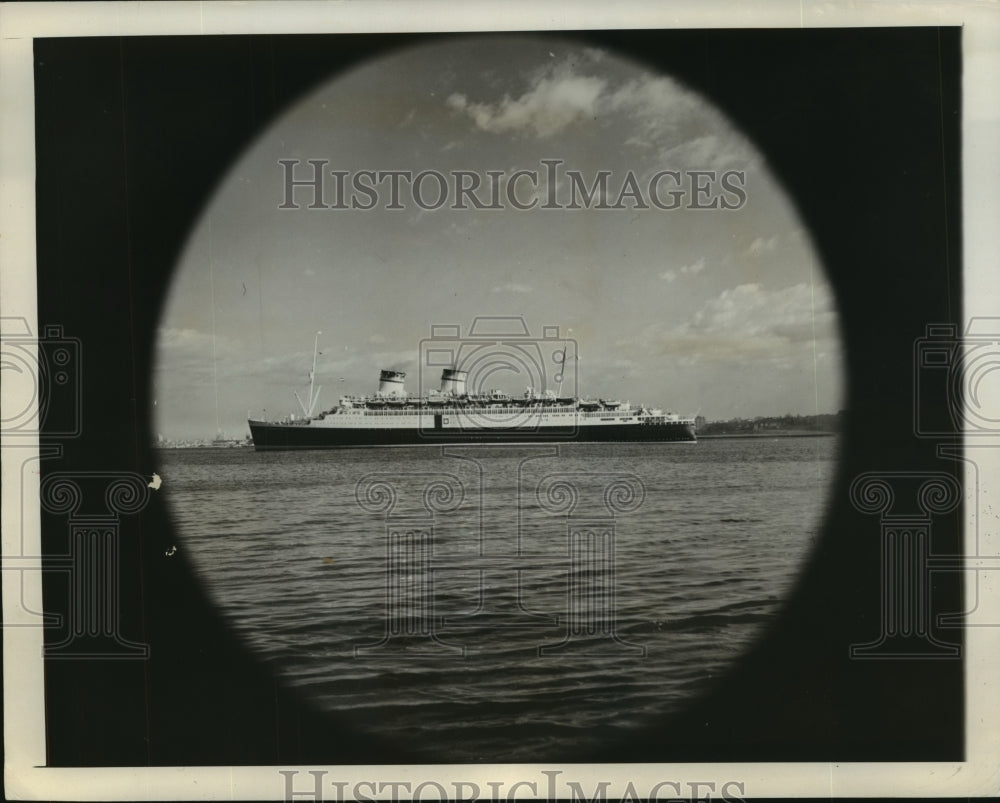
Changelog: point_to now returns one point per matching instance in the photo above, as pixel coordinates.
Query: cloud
(791, 313)
(172, 338)
(656, 101)
(191, 344)
(400, 360)
(290, 370)
(762, 245)
(707, 151)
(655, 112)
(693, 269)
(513, 287)
(191, 357)
(560, 94)
(550, 105)
(781, 327)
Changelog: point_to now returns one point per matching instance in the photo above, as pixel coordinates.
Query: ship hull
(269, 436)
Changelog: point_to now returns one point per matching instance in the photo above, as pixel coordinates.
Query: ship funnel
(390, 383)
(453, 381)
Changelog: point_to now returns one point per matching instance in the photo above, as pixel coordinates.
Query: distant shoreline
(772, 434)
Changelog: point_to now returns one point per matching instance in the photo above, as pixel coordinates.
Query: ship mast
(313, 394)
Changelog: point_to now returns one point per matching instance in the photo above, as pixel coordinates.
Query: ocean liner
(451, 414)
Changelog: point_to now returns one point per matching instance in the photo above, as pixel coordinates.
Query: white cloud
(791, 314)
(762, 245)
(400, 360)
(707, 151)
(749, 322)
(693, 269)
(560, 94)
(656, 101)
(555, 101)
(198, 356)
(657, 112)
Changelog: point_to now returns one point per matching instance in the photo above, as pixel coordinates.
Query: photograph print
(524, 398)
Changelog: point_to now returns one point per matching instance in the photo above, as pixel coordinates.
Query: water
(536, 598)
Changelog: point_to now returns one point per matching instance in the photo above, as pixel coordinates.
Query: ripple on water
(701, 569)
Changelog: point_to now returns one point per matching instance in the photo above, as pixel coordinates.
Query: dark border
(863, 128)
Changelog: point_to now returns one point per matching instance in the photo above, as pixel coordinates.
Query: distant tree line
(825, 422)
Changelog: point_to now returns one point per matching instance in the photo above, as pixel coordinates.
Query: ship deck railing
(492, 411)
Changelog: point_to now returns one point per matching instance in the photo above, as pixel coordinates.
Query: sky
(720, 312)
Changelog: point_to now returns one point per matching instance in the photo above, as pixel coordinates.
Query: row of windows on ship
(491, 400)
(599, 414)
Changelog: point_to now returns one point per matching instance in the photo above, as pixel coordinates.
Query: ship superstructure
(452, 414)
